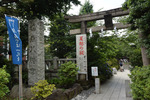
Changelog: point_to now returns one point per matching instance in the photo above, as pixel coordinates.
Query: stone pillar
(55, 62)
(36, 61)
(97, 85)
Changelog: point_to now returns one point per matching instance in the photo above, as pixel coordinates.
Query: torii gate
(107, 16)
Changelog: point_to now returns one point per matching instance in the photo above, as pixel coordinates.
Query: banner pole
(20, 83)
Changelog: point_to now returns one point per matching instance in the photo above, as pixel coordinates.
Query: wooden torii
(83, 19)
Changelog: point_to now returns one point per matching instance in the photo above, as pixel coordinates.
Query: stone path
(117, 88)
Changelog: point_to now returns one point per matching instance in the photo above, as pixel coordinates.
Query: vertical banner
(15, 41)
(81, 53)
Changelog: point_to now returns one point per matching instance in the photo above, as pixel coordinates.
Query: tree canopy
(30, 9)
(86, 8)
(39, 8)
(139, 18)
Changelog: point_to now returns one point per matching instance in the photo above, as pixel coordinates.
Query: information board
(94, 71)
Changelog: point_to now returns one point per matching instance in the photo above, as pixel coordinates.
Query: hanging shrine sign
(81, 53)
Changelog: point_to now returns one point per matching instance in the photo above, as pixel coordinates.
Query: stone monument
(36, 60)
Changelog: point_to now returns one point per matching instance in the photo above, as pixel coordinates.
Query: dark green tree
(128, 47)
(31, 9)
(139, 18)
(61, 43)
(86, 8)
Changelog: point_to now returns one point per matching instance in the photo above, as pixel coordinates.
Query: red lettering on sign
(81, 48)
(81, 52)
(81, 38)
(81, 43)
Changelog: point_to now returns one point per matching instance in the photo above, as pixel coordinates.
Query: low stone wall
(67, 94)
(14, 93)
(58, 94)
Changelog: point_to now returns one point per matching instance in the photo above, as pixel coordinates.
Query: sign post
(16, 47)
(94, 71)
(20, 83)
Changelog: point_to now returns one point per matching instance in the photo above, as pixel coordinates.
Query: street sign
(14, 37)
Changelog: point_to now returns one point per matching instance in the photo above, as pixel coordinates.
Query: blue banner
(15, 41)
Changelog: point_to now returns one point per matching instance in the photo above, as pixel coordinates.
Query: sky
(97, 5)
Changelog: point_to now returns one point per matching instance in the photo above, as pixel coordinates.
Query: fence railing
(51, 65)
(55, 63)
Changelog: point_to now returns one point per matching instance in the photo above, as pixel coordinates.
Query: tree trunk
(145, 59)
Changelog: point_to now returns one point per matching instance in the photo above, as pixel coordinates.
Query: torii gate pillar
(83, 27)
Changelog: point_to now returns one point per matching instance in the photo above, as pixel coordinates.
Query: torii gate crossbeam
(97, 15)
(107, 15)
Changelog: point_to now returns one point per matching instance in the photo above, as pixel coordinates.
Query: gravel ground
(84, 94)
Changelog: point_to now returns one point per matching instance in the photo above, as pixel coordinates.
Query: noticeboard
(94, 71)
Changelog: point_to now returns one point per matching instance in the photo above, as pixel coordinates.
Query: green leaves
(140, 83)
(61, 43)
(40, 8)
(42, 89)
(67, 74)
(86, 8)
(139, 15)
(3, 81)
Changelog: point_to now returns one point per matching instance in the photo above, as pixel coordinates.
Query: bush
(42, 89)
(141, 83)
(3, 81)
(113, 63)
(9, 69)
(105, 72)
(67, 74)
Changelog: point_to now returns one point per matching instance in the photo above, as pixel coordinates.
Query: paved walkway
(117, 88)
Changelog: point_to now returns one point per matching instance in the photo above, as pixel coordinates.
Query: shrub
(3, 81)
(9, 69)
(141, 83)
(113, 63)
(105, 72)
(67, 74)
(42, 89)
